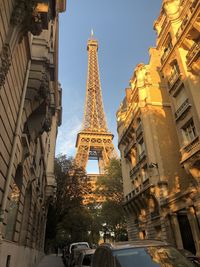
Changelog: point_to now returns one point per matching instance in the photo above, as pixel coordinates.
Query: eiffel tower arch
(94, 141)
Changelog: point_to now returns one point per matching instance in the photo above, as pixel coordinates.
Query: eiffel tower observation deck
(94, 141)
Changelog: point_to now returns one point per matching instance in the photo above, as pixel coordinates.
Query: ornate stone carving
(25, 12)
(5, 62)
(35, 23)
(172, 8)
(43, 91)
(18, 13)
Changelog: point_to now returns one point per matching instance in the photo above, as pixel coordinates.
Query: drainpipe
(13, 151)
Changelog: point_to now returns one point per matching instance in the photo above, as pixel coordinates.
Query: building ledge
(181, 111)
(191, 149)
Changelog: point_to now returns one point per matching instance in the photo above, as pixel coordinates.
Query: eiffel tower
(94, 141)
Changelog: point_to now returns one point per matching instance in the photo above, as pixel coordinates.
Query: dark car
(193, 258)
(68, 255)
(85, 258)
(141, 253)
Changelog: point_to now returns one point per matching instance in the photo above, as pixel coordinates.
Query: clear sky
(124, 30)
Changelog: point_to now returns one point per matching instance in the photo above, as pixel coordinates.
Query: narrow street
(51, 261)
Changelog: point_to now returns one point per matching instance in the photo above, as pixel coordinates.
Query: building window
(141, 148)
(144, 173)
(175, 68)
(175, 72)
(133, 156)
(167, 48)
(189, 132)
(180, 97)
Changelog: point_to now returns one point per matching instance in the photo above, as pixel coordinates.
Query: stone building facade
(30, 112)
(159, 131)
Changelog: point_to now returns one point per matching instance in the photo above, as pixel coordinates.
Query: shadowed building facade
(159, 129)
(30, 112)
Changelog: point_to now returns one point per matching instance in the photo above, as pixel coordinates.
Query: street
(51, 261)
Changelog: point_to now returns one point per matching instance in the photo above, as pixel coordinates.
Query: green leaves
(69, 219)
(112, 214)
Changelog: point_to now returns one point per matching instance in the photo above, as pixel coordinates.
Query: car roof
(134, 244)
(78, 243)
(88, 251)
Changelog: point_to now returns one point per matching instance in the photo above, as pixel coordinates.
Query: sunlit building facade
(30, 112)
(159, 128)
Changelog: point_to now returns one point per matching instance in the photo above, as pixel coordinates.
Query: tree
(110, 186)
(68, 220)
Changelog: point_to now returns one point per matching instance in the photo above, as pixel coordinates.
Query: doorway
(186, 232)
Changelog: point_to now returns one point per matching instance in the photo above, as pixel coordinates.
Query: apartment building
(30, 112)
(158, 128)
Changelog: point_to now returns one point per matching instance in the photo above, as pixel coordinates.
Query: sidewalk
(51, 261)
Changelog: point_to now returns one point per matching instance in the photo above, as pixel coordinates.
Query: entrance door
(186, 232)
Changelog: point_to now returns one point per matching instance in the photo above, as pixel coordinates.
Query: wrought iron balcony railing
(182, 109)
(194, 144)
(139, 131)
(154, 215)
(128, 148)
(174, 77)
(192, 148)
(146, 182)
(187, 17)
(193, 53)
(134, 171)
(165, 54)
(142, 155)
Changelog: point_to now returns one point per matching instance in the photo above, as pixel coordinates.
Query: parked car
(84, 258)
(68, 255)
(193, 258)
(141, 253)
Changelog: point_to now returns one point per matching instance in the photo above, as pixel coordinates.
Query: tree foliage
(112, 214)
(110, 185)
(68, 219)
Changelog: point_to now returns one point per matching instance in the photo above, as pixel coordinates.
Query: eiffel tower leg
(101, 165)
(82, 155)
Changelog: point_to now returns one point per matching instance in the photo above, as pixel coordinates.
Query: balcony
(146, 182)
(173, 78)
(134, 171)
(139, 131)
(189, 150)
(193, 7)
(128, 148)
(182, 109)
(142, 155)
(138, 200)
(154, 215)
(193, 53)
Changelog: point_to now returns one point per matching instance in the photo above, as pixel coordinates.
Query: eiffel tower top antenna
(92, 34)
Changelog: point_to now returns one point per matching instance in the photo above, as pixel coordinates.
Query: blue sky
(124, 30)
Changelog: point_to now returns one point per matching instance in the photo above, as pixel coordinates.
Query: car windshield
(79, 246)
(150, 257)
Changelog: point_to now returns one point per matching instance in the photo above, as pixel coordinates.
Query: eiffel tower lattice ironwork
(94, 141)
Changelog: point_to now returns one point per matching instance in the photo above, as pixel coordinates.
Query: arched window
(14, 198)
